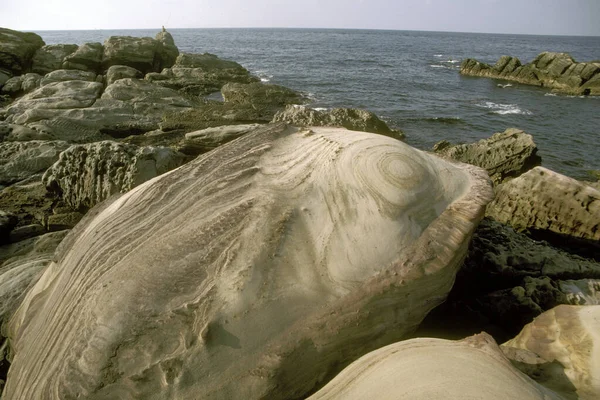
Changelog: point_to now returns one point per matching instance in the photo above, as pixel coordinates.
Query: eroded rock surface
(196, 284)
(17, 49)
(542, 199)
(504, 155)
(87, 174)
(51, 57)
(20, 160)
(554, 70)
(349, 118)
(569, 335)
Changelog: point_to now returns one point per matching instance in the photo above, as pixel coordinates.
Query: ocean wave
(264, 76)
(451, 61)
(505, 85)
(320, 108)
(550, 94)
(504, 109)
(438, 55)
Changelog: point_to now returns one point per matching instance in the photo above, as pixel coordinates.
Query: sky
(544, 17)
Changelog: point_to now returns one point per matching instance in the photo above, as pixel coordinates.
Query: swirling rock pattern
(255, 271)
(431, 369)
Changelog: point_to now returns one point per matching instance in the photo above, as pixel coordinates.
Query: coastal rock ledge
(558, 71)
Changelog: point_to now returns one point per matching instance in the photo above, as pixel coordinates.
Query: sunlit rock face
(435, 369)
(258, 270)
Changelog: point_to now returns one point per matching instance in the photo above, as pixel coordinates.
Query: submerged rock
(504, 155)
(554, 70)
(349, 118)
(255, 271)
(87, 174)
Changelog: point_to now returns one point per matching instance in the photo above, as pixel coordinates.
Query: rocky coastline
(557, 71)
(156, 243)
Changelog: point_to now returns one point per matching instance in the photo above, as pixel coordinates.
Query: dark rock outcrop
(144, 54)
(349, 118)
(17, 50)
(504, 155)
(553, 70)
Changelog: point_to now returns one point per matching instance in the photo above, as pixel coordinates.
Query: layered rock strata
(558, 71)
(195, 284)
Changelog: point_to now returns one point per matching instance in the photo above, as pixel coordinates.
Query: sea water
(411, 80)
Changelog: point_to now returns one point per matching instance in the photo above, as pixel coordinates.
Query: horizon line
(309, 28)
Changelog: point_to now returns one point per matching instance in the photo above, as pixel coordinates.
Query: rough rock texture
(63, 75)
(88, 174)
(53, 96)
(167, 53)
(8, 221)
(51, 57)
(255, 271)
(20, 160)
(17, 50)
(542, 199)
(117, 72)
(87, 57)
(20, 133)
(504, 155)
(22, 84)
(349, 118)
(554, 70)
(426, 369)
(27, 200)
(571, 336)
(201, 74)
(507, 280)
(144, 54)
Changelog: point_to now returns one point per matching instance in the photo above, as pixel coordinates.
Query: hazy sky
(549, 17)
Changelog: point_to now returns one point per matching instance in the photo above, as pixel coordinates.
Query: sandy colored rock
(349, 118)
(62, 75)
(571, 336)
(51, 57)
(207, 139)
(504, 155)
(87, 174)
(22, 84)
(144, 54)
(87, 57)
(20, 160)
(545, 200)
(117, 72)
(252, 272)
(558, 71)
(434, 369)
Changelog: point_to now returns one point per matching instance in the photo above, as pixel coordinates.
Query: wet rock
(504, 155)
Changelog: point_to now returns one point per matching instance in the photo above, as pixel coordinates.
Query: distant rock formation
(557, 71)
(504, 155)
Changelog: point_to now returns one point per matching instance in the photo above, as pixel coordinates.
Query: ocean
(411, 80)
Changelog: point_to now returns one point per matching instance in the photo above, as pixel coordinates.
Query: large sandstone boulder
(504, 155)
(51, 57)
(554, 70)
(255, 271)
(542, 199)
(435, 369)
(117, 72)
(570, 336)
(87, 174)
(87, 57)
(349, 118)
(144, 54)
(17, 50)
(20, 160)
(204, 140)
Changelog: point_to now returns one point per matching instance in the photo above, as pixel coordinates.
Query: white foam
(550, 94)
(504, 109)
(438, 55)
(264, 79)
(504, 86)
(437, 66)
(320, 108)
(452, 61)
